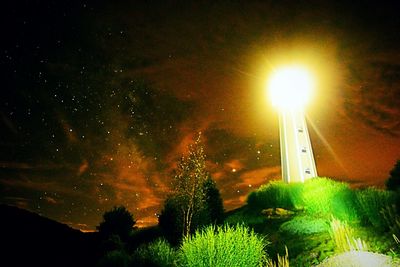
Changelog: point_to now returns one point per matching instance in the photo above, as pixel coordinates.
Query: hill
(28, 239)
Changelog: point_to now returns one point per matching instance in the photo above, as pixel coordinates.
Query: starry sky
(99, 99)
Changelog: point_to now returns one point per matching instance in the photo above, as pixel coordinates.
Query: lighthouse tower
(297, 159)
(290, 89)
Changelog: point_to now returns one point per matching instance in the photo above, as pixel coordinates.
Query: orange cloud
(83, 167)
(260, 176)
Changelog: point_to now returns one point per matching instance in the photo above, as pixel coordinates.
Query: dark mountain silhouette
(28, 239)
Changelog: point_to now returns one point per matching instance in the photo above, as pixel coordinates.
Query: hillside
(321, 219)
(28, 239)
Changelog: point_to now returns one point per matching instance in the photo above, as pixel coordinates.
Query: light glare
(290, 87)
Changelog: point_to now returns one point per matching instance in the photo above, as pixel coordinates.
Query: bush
(324, 197)
(223, 246)
(158, 253)
(115, 258)
(276, 194)
(305, 225)
(371, 202)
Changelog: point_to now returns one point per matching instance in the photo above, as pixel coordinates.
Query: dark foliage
(143, 236)
(118, 221)
(393, 182)
(115, 258)
(214, 204)
(171, 221)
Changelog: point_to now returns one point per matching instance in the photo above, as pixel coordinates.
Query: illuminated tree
(393, 182)
(188, 183)
(195, 200)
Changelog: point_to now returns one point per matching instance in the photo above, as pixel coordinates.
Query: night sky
(99, 99)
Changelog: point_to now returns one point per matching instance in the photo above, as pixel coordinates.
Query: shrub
(223, 246)
(371, 202)
(305, 225)
(115, 258)
(324, 197)
(158, 253)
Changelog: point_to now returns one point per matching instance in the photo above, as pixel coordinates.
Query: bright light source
(290, 87)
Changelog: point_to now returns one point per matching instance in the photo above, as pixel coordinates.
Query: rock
(283, 213)
(276, 213)
(359, 259)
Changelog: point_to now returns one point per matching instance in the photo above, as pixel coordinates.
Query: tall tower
(297, 159)
(290, 90)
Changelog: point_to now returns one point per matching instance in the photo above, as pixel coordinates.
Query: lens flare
(290, 87)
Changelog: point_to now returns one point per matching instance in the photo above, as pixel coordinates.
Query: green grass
(245, 216)
(158, 253)
(320, 197)
(223, 246)
(324, 198)
(305, 225)
(344, 237)
(369, 213)
(276, 194)
(371, 202)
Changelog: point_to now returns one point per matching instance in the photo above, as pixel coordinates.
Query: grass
(371, 202)
(305, 225)
(363, 217)
(324, 197)
(319, 197)
(282, 261)
(276, 194)
(343, 235)
(223, 246)
(158, 253)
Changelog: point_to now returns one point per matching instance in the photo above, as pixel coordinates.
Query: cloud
(35, 166)
(83, 167)
(42, 186)
(50, 200)
(260, 176)
(20, 202)
(372, 94)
